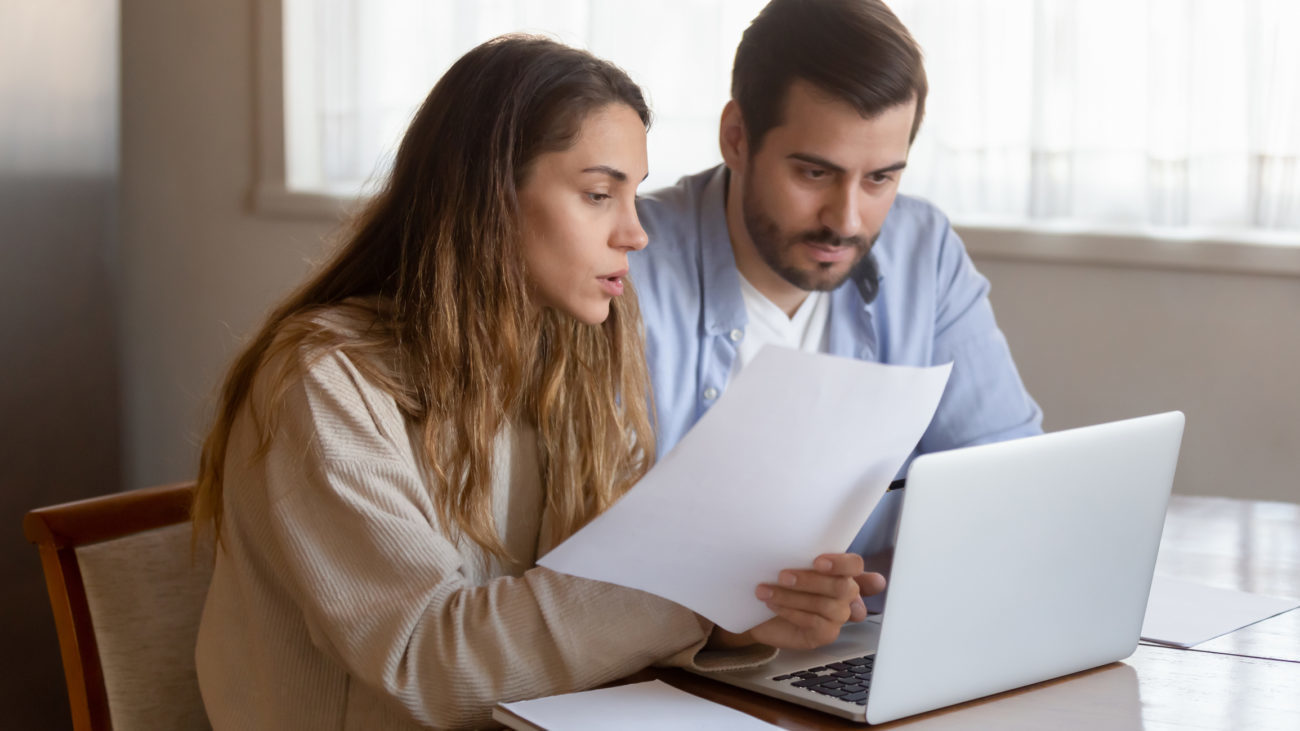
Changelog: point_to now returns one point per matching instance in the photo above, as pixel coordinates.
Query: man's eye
(881, 178)
(814, 173)
(598, 197)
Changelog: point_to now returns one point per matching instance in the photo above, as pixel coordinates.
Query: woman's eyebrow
(614, 173)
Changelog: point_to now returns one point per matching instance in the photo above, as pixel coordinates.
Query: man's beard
(774, 248)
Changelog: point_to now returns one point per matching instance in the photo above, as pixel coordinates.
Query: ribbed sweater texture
(338, 602)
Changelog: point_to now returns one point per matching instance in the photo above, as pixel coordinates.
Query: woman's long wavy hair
(434, 265)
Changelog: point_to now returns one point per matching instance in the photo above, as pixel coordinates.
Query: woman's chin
(588, 313)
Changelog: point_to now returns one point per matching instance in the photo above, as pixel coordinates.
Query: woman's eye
(597, 197)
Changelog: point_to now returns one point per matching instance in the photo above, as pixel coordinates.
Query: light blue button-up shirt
(932, 308)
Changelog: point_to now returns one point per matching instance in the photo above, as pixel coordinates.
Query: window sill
(274, 200)
(1272, 254)
(1263, 253)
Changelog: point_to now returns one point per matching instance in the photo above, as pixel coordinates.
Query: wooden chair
(127, 593)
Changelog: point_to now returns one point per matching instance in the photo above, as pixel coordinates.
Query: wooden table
(1247, 545)
(1247, 680)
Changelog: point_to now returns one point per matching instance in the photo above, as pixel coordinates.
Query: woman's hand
(811, 604)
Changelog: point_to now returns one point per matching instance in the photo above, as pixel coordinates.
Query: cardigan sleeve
(385, 594)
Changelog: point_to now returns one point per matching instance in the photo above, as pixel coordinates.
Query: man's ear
(732, 138)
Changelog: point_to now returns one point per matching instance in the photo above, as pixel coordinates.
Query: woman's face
(578, 214)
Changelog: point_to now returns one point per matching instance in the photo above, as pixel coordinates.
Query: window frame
(271, 195)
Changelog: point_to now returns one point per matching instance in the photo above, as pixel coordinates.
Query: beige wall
(1094, 342)
(60, 406)
(199, 268)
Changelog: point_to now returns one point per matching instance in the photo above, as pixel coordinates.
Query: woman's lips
(612, 283)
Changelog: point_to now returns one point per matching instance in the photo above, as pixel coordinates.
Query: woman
(458, 389)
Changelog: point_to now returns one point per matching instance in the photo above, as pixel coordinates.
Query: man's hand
(811, 604)
(869, 584)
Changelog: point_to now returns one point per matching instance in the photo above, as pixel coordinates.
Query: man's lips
(828, 253)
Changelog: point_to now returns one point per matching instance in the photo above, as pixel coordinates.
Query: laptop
(1015, 563)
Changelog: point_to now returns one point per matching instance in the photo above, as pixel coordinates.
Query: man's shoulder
(687, 191)
(670, 214)
(672, 219)
(916, 215)
(915, 230)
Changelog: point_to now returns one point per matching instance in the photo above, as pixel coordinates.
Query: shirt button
(736, 335)
(710, 393)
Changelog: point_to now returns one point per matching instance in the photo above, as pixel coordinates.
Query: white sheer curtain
(355, 70)
(1129, 113)
(1110, 113)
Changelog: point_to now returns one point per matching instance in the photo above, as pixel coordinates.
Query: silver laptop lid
(1022, 561)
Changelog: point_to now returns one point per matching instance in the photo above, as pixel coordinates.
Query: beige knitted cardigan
(337, 601)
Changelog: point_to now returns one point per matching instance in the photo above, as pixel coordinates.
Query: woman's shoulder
(353, 318)
(335, 369)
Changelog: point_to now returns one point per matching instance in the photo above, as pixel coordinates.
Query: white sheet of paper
(652, 706)
(1184, 613)
(785, 466)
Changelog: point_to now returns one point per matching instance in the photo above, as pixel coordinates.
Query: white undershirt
(805, 330)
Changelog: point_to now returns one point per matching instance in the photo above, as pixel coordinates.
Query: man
(800, 238)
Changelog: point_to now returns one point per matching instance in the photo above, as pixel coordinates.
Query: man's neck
(770, 284)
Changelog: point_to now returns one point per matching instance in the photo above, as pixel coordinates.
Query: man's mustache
(827, 236)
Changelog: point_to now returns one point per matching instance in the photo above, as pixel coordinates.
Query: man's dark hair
(857, 51)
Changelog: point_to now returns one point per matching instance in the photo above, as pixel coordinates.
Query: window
(1134, 114)
(355, 71)
(1163, 113)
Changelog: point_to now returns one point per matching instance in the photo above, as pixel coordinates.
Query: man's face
(816, 192)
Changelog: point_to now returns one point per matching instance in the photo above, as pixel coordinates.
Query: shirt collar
(724, 308)
(851, 331)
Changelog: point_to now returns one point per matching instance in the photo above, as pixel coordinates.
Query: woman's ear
(732, 138)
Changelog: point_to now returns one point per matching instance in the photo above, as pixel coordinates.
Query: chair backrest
(127, 593)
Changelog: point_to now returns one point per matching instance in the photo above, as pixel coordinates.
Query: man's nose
(842, 214)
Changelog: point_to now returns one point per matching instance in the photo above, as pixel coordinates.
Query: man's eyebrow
(820, 162)
(889, 168)
(824, 163)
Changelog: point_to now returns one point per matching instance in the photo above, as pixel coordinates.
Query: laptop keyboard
(849, 680)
